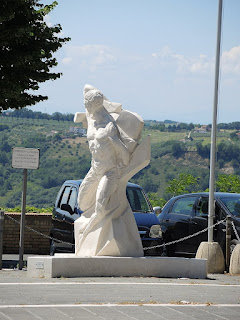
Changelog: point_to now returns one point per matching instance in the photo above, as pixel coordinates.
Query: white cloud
(184, 64)
(164, 53)
(231, 61)
(67, 60)
(202, 65)
(90, 56)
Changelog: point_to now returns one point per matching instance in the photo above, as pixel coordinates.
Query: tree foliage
(178, 149)
(228, 183)
(27, 45)
(29, 114)
(180, 185)
(229, 126)
(203, 151)
(155, 200)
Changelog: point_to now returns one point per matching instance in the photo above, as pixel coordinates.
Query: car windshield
(137, 200)
(232, 203)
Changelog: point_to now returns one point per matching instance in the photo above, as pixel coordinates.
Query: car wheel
(233, 244)
(52, 248)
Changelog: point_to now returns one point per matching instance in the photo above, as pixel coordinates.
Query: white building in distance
(77, 130)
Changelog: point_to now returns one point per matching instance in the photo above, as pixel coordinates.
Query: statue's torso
(101, 146)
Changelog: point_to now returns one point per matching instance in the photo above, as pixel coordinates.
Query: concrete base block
(70, 265)
(214, 255)
(235, 261)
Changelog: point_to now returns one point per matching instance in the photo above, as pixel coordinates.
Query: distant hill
(65, 155)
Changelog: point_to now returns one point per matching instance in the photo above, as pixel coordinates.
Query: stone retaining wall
(33, 242)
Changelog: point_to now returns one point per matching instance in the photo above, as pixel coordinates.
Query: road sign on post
(24, 158)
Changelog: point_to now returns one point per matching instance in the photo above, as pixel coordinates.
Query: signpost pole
(24, 158)
(1, 236)
(22, 223)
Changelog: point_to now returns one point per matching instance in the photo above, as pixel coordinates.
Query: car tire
(52, 248)
(233, 244)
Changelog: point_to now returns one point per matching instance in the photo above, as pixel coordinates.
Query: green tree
(233, 135)
(203, 151)
(190, 126)
(228, 183)
(181, 185)
(155, 200)
(27, 45)
(178, 149)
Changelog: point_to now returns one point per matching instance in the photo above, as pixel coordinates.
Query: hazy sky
(156, 57)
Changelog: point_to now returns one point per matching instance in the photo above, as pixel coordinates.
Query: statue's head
(87, 88)
(93, 100)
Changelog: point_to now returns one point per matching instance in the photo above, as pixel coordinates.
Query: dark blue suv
(66, 211)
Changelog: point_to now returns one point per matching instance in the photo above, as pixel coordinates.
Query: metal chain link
(38, 232)
(185, 238)
(235, 231)
(145, 248)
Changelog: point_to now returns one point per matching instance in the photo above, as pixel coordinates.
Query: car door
(71, 215)
(177, 224)
(59, 214)
(141, 209)
(63, 222)
(199, 222)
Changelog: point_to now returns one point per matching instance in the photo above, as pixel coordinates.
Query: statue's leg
(87, 191)
(106, 187)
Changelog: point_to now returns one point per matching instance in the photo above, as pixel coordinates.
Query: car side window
(64, 196)
(183, 206)
(73, 198)
(137, 200)
(202, 207)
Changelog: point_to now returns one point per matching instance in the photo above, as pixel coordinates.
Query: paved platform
(71, 266)
(23, 298)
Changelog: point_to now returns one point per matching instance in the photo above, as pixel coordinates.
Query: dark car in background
(187, 214)
(66, 211)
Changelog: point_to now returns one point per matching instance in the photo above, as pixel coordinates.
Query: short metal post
(22, 222)
(228, 241)
(1, 236)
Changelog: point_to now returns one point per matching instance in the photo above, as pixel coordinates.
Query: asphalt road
(23, 298)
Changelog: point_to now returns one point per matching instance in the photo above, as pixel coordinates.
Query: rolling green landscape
(176, 149)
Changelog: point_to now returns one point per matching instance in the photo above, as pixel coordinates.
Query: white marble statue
(107, 227)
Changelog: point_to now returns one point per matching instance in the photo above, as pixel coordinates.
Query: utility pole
(211, 208)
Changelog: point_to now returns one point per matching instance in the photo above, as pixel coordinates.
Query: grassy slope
(70, 159)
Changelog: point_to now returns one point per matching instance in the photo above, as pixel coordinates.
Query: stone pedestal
(70, 265)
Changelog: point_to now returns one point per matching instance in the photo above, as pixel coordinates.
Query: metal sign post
(1, 236)
(24, 158)
(22, 222)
